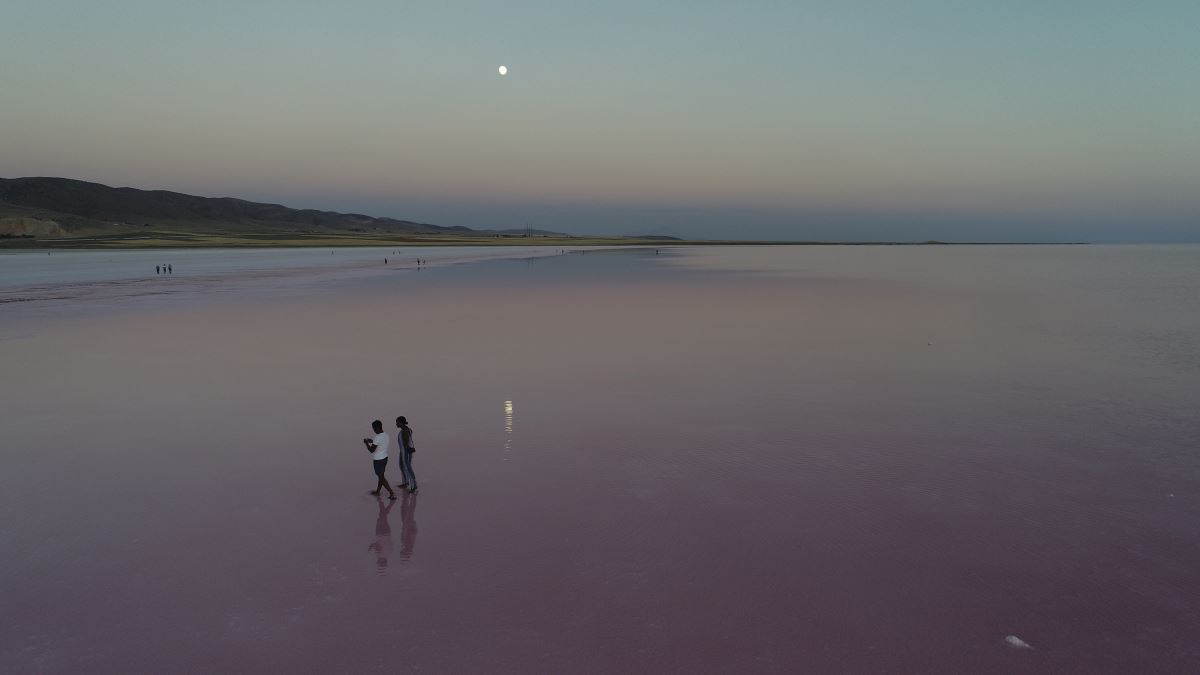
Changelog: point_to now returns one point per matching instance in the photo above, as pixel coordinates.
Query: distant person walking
(170, 269)
(404, 439)
(378, 448)
(158, 269)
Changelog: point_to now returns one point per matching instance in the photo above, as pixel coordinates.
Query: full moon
(503, 70)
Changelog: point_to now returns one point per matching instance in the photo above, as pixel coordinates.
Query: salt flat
(802, 459)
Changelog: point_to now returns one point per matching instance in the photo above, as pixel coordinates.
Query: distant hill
(55, 207)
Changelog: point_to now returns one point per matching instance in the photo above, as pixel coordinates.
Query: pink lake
(709, 460)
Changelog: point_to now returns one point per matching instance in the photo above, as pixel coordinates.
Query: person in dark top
(404, 439)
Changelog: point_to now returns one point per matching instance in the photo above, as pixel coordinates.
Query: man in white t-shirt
(378, 448)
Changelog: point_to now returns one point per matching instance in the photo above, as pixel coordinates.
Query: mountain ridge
(53, 206)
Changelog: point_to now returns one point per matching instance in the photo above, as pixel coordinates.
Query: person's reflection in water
(408, 526)
(382, 546)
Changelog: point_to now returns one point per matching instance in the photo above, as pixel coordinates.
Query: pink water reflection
(626, 465)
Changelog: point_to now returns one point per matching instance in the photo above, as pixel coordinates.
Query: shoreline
(165, 241)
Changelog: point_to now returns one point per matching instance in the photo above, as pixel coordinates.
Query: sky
(969, 121)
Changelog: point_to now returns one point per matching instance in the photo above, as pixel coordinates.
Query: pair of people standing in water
(378, 447)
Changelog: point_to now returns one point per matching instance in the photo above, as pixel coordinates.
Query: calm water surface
(775, 460)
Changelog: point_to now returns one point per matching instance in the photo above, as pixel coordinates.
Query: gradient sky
(1021, 120)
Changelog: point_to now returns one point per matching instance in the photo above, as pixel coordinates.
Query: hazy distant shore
(167, 240)
(49, 212)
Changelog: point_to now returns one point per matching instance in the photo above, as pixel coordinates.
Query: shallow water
(803, 459)
(22, 268)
